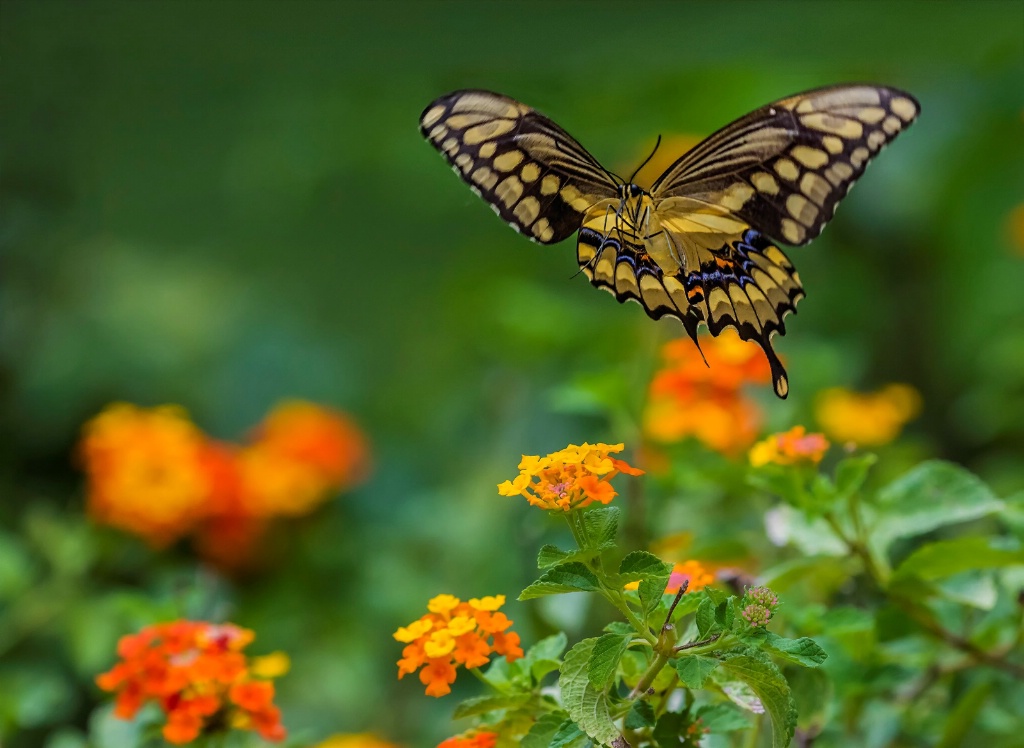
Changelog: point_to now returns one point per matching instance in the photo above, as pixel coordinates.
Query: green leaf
(569, 735)
(640, 565)
(930, 496)
(722, 717)
(946, 558)
(812, 694)
(802, 651)
(619, 627)
(756, 670)
(725, 613)
(549, 648)
(587, 705)
(963, 716)
(484, 704)
(544, 730)
(851, 472)
(651, 592)
(601, 524)
(705, 617)
(694, 669)
(603, 662)
(640, 715)
(573, 577)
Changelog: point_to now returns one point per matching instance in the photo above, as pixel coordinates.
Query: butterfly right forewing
(535, 176)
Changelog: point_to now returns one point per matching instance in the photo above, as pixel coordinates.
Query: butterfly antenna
(646, 160)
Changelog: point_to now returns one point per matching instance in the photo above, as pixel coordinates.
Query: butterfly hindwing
(745, 282)
(784, 167)
(535, 176)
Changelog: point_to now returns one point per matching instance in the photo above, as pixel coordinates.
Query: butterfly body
(700, 245)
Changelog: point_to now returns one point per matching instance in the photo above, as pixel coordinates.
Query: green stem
(642, 687)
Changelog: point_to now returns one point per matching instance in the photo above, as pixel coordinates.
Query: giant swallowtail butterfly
(700, 245)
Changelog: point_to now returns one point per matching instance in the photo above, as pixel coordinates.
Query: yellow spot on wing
(815, 187)
(485, 177)
(801, 209)
(549, 185)
(875, 140)
(487, 130)
(905, 108)
(786, 169)
(527, 210)
(529, 172)
(892, 125)
(765, 183)
(871, 114)
(508, 161)
(792, 232)
(487, 150)
(431, 117)
(833, 144)
(846, 128)
(810, 157)
(543, 231)
(509, 190)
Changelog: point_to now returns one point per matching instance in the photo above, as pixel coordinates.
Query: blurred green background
(224, 204)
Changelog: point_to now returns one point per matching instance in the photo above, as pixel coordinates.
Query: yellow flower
(866, 419)
(569, 479)
(361, 740)
(793, 447)
(442, 603)
(273, 665)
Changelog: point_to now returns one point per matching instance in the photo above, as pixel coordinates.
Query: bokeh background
(226, 204)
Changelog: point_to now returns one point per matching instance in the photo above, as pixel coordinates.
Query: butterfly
(701, 244)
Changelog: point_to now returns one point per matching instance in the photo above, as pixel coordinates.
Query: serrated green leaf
(619, 627)
(751, 636)
(946, 558)
(484, 704)
(640, 715)
(651, 592)
(601, 524)
(931, 495)
(586, 704)
(572, 577)
(802, 651)
(705, 617)
(544, 729)
(722, 717)
(756, 670)
(641, 565)
(725, 613)
(548, 648)
(694, 670)
(605, 659)
(569, 735)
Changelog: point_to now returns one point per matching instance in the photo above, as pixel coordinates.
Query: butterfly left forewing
(534, 175)
(784, 167)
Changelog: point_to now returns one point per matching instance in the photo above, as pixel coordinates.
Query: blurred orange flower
(196, 672)
(146, 471)
(793, 447)
(1015, 224)
(866, 419)
(669, 150)
(455, 633)
(472, 739)
(569, 479)
(690, 398)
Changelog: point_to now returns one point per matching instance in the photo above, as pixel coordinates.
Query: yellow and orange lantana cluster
(153, 473)
(198, 675)
(706, 401)
(867, 419)
(569, 479)
(455, 633)
(793, 447)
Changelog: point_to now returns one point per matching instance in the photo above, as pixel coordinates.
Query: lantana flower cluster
(455, 633)
(867, 419)
(759, 604)
(793, 447)
(569, 479)
(706, 401)
(154, 473)
(199, 676)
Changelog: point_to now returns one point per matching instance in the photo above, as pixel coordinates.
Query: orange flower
(569, 479)
(146, 471)
(691, 398)
(866, 419)
(692, 571)
(193, 670)
(793, 447)
(302, 453)
(361, 740)
(471, 739)
(455, 633)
